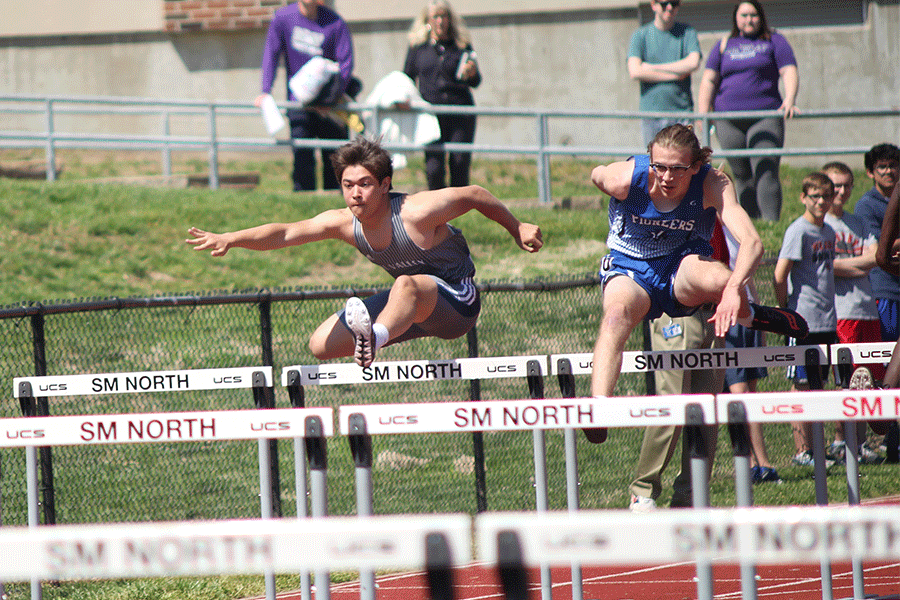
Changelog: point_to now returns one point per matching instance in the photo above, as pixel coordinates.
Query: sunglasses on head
(667, 3)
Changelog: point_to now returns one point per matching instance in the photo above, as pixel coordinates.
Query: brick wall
(219, 15)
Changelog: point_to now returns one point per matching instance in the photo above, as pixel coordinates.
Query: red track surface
(648, 582)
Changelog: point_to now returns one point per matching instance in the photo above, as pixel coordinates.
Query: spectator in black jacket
(442, 63)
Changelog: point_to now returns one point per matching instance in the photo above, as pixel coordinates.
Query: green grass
(83, 238)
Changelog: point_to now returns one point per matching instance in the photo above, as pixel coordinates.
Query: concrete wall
(573, 59)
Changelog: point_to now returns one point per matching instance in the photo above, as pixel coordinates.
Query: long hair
(420, 31)
(764, 32)
(681, 136)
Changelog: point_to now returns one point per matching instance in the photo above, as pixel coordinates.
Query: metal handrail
(542, 150)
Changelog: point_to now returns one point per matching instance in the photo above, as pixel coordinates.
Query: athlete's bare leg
(412, 299)
(625, 304)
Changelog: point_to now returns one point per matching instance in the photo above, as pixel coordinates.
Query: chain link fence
(219, 480)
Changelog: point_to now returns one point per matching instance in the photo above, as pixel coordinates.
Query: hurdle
(766, 536)
(566, 366)
(819, 406)
(258, 379)
(253, 546)
(533, 368)
(528, 414)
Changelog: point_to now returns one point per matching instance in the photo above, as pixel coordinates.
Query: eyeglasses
(667, 3)
(663, 169)
(817, 197)
(885, 167)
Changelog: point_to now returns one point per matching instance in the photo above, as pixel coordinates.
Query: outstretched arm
(719, 190)
(436, 208)
(887, 253)
(331, 224)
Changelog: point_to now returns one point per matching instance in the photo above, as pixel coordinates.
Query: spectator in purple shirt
(742, 74)
(298, 32)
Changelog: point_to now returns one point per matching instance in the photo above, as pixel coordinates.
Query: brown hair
(838, 167)
(366, 153)
(819, 181)
(681, 136)
(765, 33)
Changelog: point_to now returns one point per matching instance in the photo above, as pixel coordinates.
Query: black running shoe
(595, 435)
(779, 320)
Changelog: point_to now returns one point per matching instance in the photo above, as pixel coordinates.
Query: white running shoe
(640, 504)
(861, 379)
(360, 324)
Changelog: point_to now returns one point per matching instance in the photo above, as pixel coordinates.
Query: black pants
(455, 129)
(307, 125)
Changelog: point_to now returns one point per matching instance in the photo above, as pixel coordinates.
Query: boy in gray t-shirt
(804, 281)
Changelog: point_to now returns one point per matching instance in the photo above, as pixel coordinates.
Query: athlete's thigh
(699, 280)
(624, 293)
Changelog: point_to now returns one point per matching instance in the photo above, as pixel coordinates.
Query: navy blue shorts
(799, 373)
(656, 276)
(888, 313)
(743, 337)
(454, 315)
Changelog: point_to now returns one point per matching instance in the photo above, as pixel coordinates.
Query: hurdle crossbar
(250, 546)
(199, 426)
(771, 535)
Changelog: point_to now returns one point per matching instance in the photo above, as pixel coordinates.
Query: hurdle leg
(539, 436)
(318, 477)
(361, 449)
(693, 436)
(743, 487)
(570, 443)
(511, 567)
(266, 480)
(814, 374)
(853, 498)
(298, 400)
(438, 567)
(820, 474)
(28, 406)
(2, 586)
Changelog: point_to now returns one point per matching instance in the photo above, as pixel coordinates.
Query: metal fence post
(268, 360)
(50, 147)
(213, 149)
(543, 162)
(42, 409)
(167, 149)
(477, 437)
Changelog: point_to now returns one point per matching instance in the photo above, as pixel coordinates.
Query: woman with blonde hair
(443, 65)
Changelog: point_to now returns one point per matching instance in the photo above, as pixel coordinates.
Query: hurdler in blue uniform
(662, 211)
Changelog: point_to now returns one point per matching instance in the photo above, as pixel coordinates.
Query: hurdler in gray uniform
(449, 264)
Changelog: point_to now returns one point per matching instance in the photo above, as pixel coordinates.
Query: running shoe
(805, 459)
(764, 475)
(779, 320)
(640, 504)
(838, 452)
(595, 435)
(360, 324)
(868, 456)
(862, 379)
